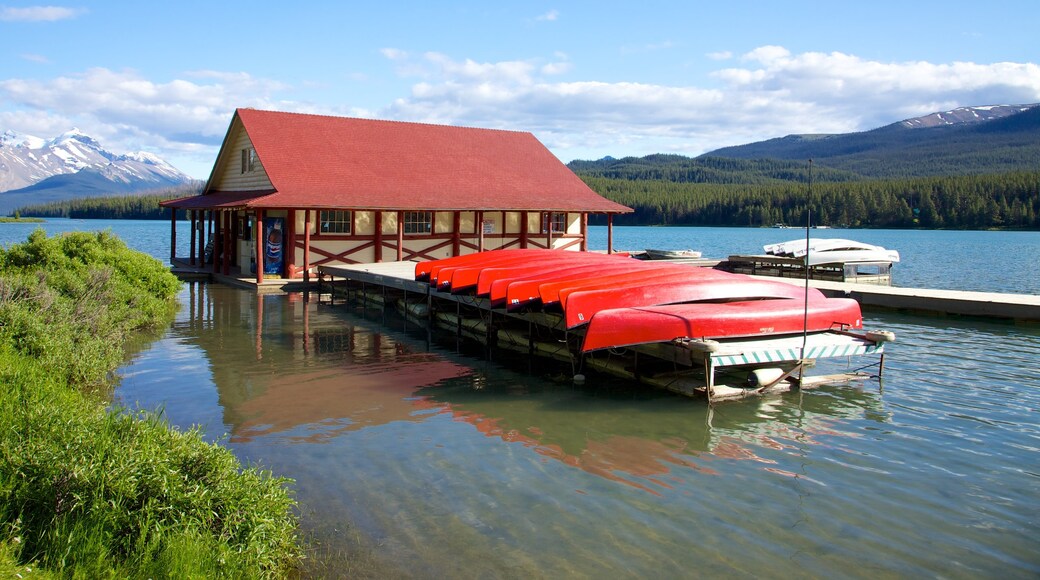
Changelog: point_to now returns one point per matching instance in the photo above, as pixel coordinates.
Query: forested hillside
(1010, 200)
(139, 207)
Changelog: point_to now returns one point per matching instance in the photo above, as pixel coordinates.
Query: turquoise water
(445, 464)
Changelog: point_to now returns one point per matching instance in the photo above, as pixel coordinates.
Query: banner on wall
(274, 239)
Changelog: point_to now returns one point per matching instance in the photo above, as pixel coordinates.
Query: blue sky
(587, 78)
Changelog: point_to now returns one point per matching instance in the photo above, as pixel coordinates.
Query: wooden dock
(1013, 307)
(718, 369)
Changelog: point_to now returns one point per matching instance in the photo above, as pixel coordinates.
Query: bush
(91, 492)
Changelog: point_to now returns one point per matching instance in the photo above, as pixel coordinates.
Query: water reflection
(306, 373)
(453, 465)
(639, 442)
(289, 367)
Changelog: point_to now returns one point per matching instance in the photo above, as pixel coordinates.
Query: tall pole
(805, 313)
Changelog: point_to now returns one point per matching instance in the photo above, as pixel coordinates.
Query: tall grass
(92, 493)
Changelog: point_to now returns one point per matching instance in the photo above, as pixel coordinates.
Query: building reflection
(288, 367)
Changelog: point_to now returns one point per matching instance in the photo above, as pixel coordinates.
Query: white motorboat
(833, 251)
(671, 254)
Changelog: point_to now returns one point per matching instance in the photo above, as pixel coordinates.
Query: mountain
(35, 170)
(991, 139)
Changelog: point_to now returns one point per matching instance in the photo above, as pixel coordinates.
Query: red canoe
(427, 270)
(689, 274)
(621, 327)
(579, 307)
(466, 278)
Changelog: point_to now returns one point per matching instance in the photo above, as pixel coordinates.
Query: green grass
(91, 493)
(20, 220)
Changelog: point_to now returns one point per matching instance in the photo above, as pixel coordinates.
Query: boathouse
(289, 192)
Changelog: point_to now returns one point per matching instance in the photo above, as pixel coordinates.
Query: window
(418, 222)
(334, 221)
(558, 221)
(249, 160)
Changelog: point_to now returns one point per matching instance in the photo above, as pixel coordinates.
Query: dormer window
(249, 160)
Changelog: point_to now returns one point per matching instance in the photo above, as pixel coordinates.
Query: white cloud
(549, 16)
(771, 92)
(39, 13)
(774, 93)
(720, 55)
(39, 58)
(126, 111)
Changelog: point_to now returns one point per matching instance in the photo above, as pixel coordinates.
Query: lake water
(439, 463)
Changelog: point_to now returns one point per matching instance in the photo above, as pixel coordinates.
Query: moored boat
(832, 251)
(656, 254)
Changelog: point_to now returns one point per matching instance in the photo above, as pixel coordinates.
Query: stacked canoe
(617, 301)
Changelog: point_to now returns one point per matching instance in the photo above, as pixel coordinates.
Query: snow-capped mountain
(26, 160)
(962, 115)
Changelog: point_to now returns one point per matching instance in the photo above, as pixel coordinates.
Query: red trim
(379, 236)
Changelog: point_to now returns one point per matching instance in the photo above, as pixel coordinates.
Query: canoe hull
(622, 327)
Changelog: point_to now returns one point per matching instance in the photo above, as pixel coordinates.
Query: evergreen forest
(767, 192)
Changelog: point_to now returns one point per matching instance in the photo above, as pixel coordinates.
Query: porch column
(215, 221)
(259, 246)
(307, 247)
(225, 245)
(379, 237)
(400, 236)
(289, 248)
(456, 234)
(547, 219)
(202, 238)
(523, 229)
(480, 231)
(610, 233)
(584, 231)
(191, 253)
(173, 234)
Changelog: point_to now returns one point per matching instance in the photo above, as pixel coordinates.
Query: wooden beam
(456, 233)
(289, 247)
(215, 230)
(191, 253)
(307, 248)
(480, 230)
(400, 236)
(173, 234)
(225, 247)
(523, 230)
(259, 246)
(584, 231)
(610, 233)
(379, 236)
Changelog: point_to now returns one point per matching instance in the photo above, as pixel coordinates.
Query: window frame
(345, 218)
(557, 220)
(250, 161)
(417, 222)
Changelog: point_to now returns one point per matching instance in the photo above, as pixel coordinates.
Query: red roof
(316, 161)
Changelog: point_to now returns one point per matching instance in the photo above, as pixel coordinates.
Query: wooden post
(191, 253)
(225, 246)
(400, 236)
(307, 246)
(379, 237)
(289, 247)
(523, 229)
(547, 219)
(202, 238)
(584, 231)
(480, 231)
(610, 233)
(259, 247)
(173, 234)
(456, 234)
(214, 216)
